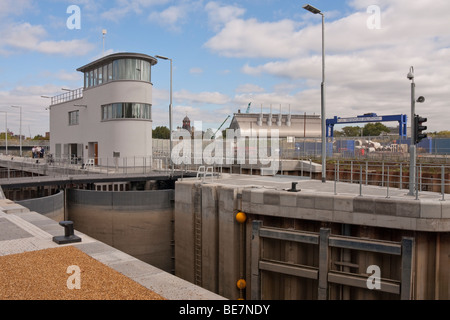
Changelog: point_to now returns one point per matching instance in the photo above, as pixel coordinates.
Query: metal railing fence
(432, 175)
(429, 176)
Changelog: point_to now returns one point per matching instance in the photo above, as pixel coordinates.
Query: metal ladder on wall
(198, 245)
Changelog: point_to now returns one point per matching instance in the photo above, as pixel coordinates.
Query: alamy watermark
(236, 148)
(374, 20)
(374, 280)
(74, 280)
(74, 20)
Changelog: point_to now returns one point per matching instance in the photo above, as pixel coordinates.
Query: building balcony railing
(68, 96)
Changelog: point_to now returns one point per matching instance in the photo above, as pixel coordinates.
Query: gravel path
(43, 275)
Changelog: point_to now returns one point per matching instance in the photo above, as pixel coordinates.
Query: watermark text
(374, 20)
(74, 280)
(74, 20)
(259, 147)
(374, 280)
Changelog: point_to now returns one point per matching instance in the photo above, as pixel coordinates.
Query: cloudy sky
(227, 54)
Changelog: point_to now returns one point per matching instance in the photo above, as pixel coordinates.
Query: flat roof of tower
(115, 56)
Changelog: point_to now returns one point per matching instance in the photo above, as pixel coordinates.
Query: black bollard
(294, 187)
(69, 236)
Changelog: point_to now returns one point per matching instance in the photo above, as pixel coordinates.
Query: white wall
(130, 137)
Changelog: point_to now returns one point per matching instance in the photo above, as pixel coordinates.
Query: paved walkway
(22, 230)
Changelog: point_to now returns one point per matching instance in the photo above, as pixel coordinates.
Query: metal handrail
(67, 96)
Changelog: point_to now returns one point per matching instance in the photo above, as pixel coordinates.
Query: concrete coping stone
(316, 200)
(318, 203)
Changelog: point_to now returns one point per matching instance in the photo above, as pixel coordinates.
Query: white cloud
(30, 92)
(267, 100)
(32, 38)
(206, 116)
(34, 115)
(202, 106)
(172, 17)
(160, 96)
(14, 7)
(249, 88)
(125, 7)
(219, 15)
(116, 13)
(77, 47)
(196, 70)
(65, 76)
(103, 54)
(251, 38)
(365, 68)
(201, 98)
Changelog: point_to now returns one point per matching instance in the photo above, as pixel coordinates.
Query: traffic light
(419, 128)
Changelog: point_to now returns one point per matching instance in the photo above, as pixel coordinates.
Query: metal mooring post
(401, 176)
(351, 171)
(335, 179)
(302, 167)
(338, 170)
(310, 169)
(387, 192)
(367, 172)
(69, 236)
(360, 180)
(419, 177)
(417, 184)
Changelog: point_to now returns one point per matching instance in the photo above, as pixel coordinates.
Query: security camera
(410, 75)
(421, 99)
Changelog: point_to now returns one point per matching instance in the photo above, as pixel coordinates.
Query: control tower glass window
(120, 69)
(126, 110)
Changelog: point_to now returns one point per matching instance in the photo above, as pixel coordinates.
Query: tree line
(369, 130)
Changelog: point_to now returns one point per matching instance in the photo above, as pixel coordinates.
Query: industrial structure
(287, 125)
(369, 117)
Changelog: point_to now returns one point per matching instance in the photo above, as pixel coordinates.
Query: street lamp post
(170, 109)
(412, 146)
(322, 93)
(20, 130)
(414, 130)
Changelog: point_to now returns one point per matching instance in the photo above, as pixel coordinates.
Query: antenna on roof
(103, 33)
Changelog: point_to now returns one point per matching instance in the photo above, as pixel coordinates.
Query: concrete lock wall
(51, 206)
(207, 237)
(211, 251)
(139, 223)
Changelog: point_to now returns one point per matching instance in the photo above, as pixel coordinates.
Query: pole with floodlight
(412, 147)
(170, 110)
(322, 94)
